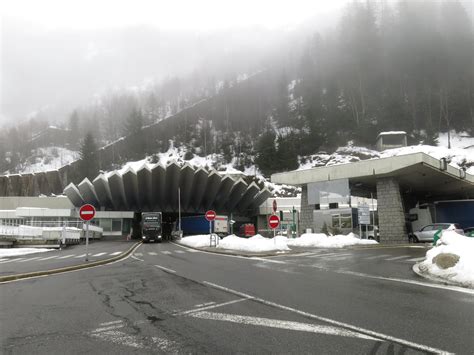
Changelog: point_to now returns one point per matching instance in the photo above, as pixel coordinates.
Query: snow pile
(21, 251)
(255, 244)
(259, 244)
(196, 241)
(453, 243)
(320, 240)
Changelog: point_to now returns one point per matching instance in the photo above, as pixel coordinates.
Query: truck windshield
(151, 221)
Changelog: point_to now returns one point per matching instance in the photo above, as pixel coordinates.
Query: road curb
(416, 269)
(68, 268)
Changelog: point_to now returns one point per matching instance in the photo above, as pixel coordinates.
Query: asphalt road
(169, 299)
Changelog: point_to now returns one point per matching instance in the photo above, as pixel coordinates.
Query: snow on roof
(391, 133)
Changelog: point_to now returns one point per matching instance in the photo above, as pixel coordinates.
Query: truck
(152, 227)
(453, 211)
(192, 225)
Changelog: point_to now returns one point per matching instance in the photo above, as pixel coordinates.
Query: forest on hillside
(403, 65)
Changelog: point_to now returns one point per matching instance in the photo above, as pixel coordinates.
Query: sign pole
(87, 241)
(210, 234)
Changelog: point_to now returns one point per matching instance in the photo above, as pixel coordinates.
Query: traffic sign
(275, 205)
(273, 221)
(363, 214)
(87, 212)
(210, 215)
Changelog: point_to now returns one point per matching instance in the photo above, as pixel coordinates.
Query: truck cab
(152, 227)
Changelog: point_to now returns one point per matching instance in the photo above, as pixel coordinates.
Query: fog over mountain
(52, 70)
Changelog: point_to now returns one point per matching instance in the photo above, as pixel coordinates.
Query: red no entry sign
(273, 221)
(87, 212)
(210, 215)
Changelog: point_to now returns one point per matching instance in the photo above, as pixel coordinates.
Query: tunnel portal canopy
(418, 174)
(154, 187)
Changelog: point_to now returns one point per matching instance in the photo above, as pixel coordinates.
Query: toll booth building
(397, 183)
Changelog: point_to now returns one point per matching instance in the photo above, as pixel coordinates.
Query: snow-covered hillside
(44, 159)
(461, 153)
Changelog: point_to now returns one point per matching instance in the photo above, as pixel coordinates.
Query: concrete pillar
(306, 214)
(390, 210)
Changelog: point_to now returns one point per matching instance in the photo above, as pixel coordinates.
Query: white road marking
(134, 257)
(3, 259)
(165, 269)
(269, 260)
(179, 251)
(377, 257)
(66, 256)
(416, 259)
(138, 254)
(281, 324)
(112, 322)
(322, 255)
(332, 321)
(398, 257)
(99, 254)
(152, 253)
(193, 251)
(204, 304)
(183, 313)
(80, 256)
(22, 261)
(49, 257)
(120, 338)
(116, 253)
(110, 327)
(166, 252)
(10, 260)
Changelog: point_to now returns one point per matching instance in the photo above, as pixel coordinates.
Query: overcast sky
(166, 14)
(58, 53)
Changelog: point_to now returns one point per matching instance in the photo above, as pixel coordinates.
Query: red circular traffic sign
(87, 212)
(210, 215)
(273, 221)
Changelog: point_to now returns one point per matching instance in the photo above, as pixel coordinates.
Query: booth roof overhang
(418, 174)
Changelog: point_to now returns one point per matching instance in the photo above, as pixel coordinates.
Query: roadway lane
(69, 256)
(158, 301)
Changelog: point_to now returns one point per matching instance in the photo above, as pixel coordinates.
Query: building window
(333, 205)
(317, 206)
(116, 225)
(106, 224)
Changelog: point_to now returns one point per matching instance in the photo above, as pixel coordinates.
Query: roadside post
(210, 216)
(273, 223)
(86, 213)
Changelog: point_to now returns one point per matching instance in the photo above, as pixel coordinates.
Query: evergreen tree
(89, 159)
(135, 140)
(266, 158)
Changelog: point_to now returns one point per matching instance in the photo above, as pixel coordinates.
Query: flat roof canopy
(418, 174)
(155, 188)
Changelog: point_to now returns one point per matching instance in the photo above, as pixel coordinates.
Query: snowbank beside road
(255, 244)
(260, 244)
(452, 244)
(21, 251)
(320, 240)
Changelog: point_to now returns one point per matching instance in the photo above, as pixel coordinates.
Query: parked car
(426, 234)
(469, 232)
